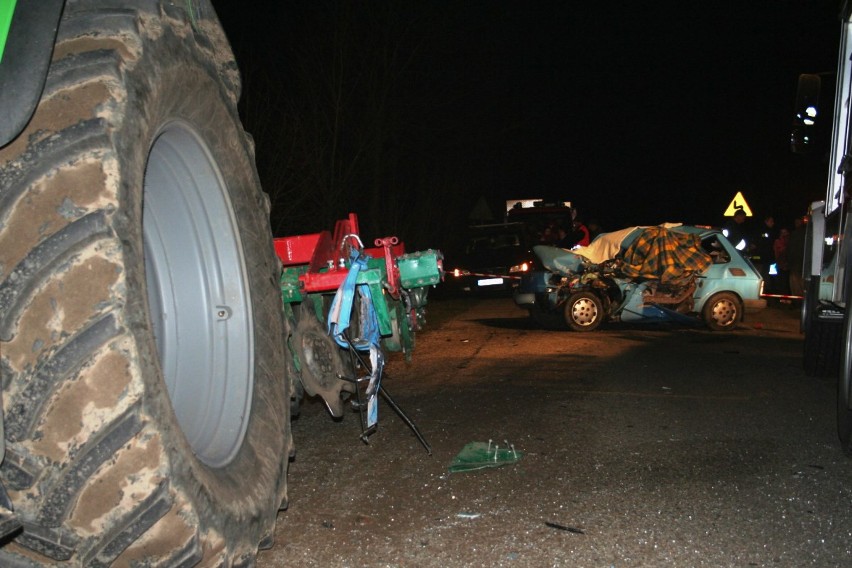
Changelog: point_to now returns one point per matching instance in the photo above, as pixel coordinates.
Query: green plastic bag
(479, 455)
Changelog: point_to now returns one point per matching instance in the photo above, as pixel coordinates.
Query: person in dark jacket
(735, 231)
(796, 256)
(764, 252)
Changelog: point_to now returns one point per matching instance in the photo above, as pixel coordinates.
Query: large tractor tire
(144, 393)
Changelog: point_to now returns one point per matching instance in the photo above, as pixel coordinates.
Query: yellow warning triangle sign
(738, 203)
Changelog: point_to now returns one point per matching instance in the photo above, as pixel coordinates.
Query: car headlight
(523, 267)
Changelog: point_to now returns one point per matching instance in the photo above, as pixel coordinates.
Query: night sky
(638, 112)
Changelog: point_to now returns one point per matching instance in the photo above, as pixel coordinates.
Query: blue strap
(377, 362)
(340, 313)
(339, 317)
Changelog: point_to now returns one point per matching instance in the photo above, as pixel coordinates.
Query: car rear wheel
(723, 312)
(584, 311)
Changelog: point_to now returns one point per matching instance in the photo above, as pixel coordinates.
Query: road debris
(557, 526)
(479, 455)
(468, 515)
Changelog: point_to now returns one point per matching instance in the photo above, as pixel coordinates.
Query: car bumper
(524, 299)
(531, 289)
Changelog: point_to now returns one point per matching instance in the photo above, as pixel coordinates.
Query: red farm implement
(343, 300)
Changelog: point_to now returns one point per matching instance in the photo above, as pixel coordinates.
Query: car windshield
(493, 238)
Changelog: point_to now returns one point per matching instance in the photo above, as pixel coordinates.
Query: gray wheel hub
(584, 312)
(724, 312)
(198, 293)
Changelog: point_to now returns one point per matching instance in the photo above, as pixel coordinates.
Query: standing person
(581, 233)
(735, 231)
(564, 239)
(796, 257)
(548, 235)
(782, 262)
(764, 252)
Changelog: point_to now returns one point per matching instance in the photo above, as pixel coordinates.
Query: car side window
(714, 248)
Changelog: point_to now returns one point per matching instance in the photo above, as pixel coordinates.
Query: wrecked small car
(673, 273)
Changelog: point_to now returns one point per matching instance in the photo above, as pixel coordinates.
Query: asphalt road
(641, 446)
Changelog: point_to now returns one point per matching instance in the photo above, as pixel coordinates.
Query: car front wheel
(584, 311)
